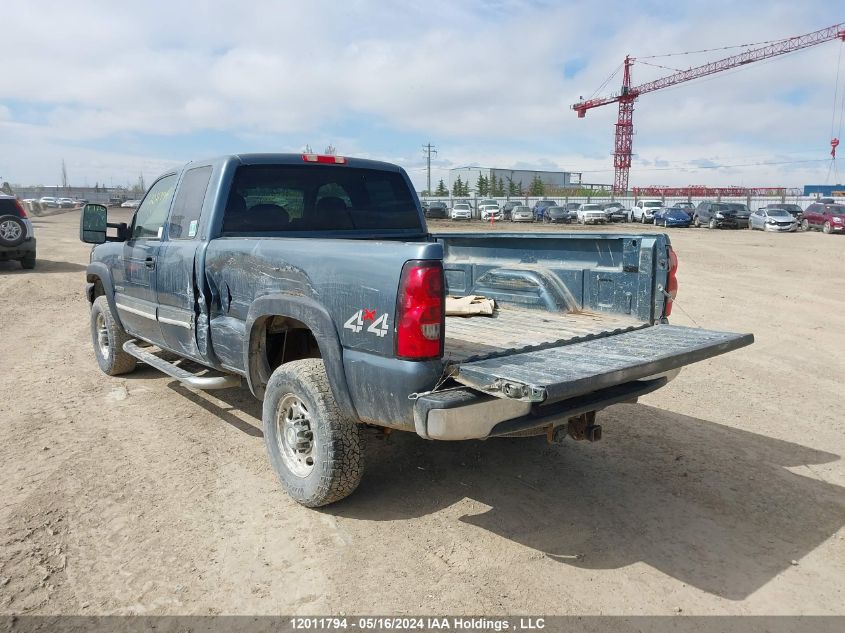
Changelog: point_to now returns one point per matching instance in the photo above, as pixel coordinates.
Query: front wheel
(805, 225)
(108, 338)
(696, 222)
(642, 218)
(712, 224)
(826, 227)
(316, 450)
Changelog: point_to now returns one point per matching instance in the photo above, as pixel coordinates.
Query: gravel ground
(720, 494)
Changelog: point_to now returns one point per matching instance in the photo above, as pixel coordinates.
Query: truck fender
(319, 321)
(98, 271)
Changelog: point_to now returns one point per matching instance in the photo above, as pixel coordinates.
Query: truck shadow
(42, 266)
(710, 505)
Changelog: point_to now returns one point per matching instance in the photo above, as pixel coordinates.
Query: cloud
(484, 81)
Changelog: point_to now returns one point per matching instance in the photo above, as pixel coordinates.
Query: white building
(562, 179)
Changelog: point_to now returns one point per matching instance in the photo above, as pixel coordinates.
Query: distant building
(560, 179)
(824, 190)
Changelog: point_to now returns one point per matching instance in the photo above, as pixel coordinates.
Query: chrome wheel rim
(102, 335)
(294, 435)
(10, 230)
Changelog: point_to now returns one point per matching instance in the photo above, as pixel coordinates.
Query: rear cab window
(306, 198)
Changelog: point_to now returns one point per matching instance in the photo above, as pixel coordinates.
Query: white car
(461, 212)
(131, 204)
(591, 213)
(65, 203)
(48, 202)
(644, 211)
(489, 211)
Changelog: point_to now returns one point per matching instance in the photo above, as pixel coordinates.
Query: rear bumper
(465, 414)
(27, 247)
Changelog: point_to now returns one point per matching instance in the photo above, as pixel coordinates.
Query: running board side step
(188, 379)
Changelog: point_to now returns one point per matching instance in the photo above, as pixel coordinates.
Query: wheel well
(277, 340)
(98, 290)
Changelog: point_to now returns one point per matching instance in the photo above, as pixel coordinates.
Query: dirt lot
(722, 493)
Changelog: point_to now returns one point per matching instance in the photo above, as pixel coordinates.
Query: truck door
(135, 297)
(176, 278)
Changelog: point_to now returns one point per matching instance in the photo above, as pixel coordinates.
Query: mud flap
(562, 372)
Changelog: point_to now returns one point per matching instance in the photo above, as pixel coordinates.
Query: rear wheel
(316, 451)
(108, 338)
(12, 231)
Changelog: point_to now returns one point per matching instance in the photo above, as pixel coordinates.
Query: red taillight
(330, 159)
(420, 315)
(671, 282)
(21, 210)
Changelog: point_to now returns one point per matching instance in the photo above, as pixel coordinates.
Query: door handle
(150, 262)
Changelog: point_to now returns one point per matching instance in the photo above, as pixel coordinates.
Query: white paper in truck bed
(471, 305)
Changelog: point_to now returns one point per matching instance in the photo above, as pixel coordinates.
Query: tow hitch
(580, 427)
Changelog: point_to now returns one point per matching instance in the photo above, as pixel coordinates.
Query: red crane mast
(628, 93)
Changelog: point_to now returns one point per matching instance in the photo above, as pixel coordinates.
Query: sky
(118, 90)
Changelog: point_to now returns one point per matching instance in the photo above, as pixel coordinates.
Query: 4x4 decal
(378, 326)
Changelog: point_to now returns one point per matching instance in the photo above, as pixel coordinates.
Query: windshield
(837, 209)
(739, 208)
(522, 209)
(591, 207)
(779, 213)
(461, 207)
(792, 208)
(270, 198)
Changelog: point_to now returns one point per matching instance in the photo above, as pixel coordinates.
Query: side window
(185, 216)
(152, 213)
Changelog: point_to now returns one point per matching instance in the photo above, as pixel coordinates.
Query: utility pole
(429, 149)
(64, 174)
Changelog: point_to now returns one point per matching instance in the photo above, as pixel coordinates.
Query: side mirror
(93, 223)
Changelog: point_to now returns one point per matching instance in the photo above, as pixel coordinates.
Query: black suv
(437, 210)
(17, 240)
(719, 215)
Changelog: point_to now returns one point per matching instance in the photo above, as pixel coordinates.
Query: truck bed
(513, 329)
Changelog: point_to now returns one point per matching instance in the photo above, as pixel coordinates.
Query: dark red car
(828, 217)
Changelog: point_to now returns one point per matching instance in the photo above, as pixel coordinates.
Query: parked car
(65, 203)
(131, 204)
(572, 208)
(437, 210)
(17, 238)
(686, 206)
(673, 216)
(48, 202)
(719, 215)
(794, 210)
(508, 207)
(461, 211)
(556, 215)
(490, 211)
(830, 218)
(615, 212)
(644, 210)
(522, 213)
(591, 214)
(772, 220)
(540, 206)
(333, 327)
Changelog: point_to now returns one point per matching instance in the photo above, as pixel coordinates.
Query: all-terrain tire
(108, 338)
(28, 261)
(336, 448)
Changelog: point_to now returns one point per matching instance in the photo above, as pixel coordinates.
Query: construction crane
(628, 94)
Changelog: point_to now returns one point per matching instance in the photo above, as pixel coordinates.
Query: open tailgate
(557, 373)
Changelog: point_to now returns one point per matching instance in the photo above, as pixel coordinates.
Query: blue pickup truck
(313, 281)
